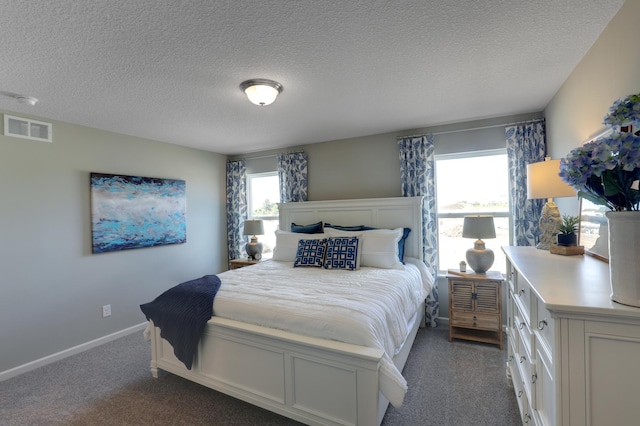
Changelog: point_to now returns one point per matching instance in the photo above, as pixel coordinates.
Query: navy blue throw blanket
(182, 312)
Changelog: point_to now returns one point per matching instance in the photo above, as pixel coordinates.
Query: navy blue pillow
(405, 234)
(314, 228)
(342, 253)
(346, 228)
(311, 253)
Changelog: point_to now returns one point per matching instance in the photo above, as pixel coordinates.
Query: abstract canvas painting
(129, 212)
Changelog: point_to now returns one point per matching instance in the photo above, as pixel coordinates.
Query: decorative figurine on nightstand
(253, 248)
(463, 266)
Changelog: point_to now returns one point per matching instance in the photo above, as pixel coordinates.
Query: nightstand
(475, 307)
(241, 263)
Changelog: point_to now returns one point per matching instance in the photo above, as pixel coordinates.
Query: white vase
(624, 256)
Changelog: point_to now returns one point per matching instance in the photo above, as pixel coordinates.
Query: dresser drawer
(475, 320)
(512, 276)
(526, 368)
(522, 297)
(524, 332)
(545, 326)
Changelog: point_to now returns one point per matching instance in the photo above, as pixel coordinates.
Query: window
(263, 196)
(471, 183)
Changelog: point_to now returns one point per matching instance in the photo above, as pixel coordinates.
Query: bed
(292, 371)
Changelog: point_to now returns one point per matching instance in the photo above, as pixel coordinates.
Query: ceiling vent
(26, 128)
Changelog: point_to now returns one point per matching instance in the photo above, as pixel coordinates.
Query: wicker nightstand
(475, 307)
(241, 263)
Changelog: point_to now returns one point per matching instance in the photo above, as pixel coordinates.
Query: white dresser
(574, 355)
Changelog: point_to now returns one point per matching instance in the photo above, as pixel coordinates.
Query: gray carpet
(459, 383)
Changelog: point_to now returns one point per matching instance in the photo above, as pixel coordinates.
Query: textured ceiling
(170, 70)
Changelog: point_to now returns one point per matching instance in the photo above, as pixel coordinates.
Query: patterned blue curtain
(236, 207)
(417, 177)
(525, 145)
(292, 173)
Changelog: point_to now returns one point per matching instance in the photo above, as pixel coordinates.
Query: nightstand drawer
(475, 320)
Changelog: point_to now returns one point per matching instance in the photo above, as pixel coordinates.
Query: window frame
(439, 215)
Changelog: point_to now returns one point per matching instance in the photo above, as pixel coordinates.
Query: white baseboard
(16, 371)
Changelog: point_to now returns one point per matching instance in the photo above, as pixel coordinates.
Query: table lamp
(253, 228)
(543, 181)
(479, 258)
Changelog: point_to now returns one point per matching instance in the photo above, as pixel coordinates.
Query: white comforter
(369, 307)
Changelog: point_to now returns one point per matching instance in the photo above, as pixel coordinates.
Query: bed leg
(154, 371)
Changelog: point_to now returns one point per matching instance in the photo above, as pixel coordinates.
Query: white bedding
(369, 307)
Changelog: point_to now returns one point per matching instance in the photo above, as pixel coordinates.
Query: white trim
(13, 372)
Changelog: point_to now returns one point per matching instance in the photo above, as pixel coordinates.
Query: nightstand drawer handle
(510, 358)
(542, 324)
(520, 394)
(534, 377)
(527, 418)
(521, 292)
(523, 359)
(521, 326)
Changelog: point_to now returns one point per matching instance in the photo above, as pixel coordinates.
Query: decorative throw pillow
(287, 244)
(343, 252)
(311, 253)
(314, 228)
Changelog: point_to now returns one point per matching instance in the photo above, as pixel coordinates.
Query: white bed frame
(314, 381)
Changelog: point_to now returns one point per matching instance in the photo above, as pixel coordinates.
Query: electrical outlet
(106, 311)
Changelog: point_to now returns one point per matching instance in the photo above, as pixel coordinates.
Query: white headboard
(395, 212)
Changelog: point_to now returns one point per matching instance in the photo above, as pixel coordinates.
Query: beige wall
(609, 71)
(369, 167)
(52, 287)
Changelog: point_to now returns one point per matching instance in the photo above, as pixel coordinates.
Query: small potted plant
(567, 231)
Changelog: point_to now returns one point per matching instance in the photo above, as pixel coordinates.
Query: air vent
(26, 128)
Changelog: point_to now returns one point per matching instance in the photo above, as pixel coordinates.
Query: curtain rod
(267, 155)
(475, 128)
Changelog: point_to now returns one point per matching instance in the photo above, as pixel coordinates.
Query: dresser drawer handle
(521, 326)
(521, 292)
(523, 359)
(534, 377)
(527, 418)
(520, 394)
(542, 324)
(510, 358)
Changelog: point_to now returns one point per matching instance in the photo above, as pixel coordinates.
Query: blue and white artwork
(129, 212)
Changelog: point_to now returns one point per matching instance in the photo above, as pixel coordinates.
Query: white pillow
(287, 244)
(379, 246)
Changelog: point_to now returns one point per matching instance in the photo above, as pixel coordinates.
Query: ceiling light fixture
(261, 91)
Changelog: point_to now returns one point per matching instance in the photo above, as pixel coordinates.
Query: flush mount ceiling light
(261, 91)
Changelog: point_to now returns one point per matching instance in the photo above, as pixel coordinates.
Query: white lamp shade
(253, 227)
(479, 227)
(261, 91)
(261, 95)
(543, 181)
